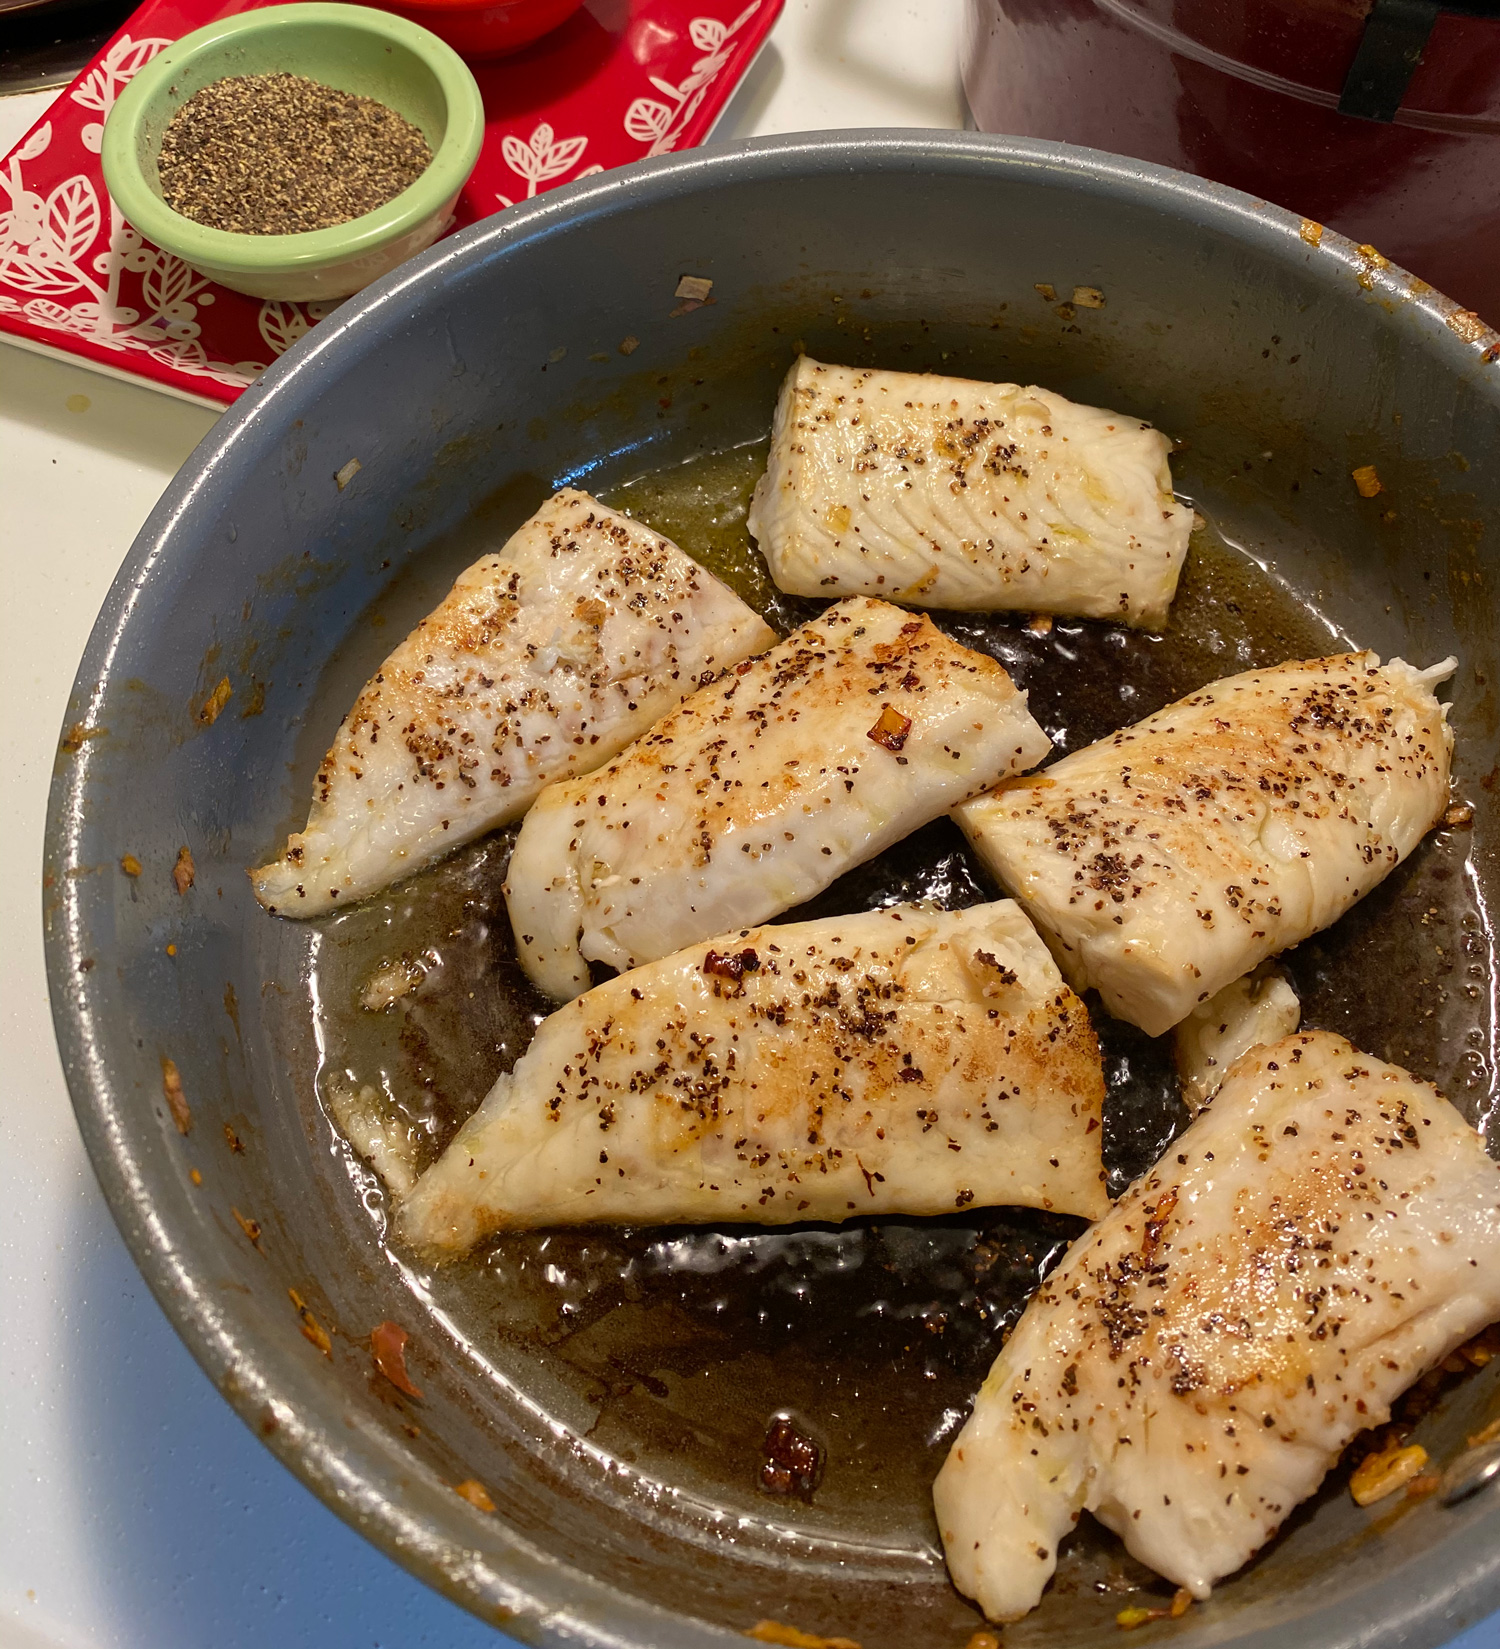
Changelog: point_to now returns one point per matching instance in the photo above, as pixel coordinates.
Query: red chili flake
(731, 966)
(250, 1227)
(388, 1348)
(1156, 1222)
(184, 871)
(890, 732)
(472, 1490)
(233, 1141)
(171, 1087)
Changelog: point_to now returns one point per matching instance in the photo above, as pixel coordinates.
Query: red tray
(622, 79)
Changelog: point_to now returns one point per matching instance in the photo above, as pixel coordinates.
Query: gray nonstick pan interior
(611, 1391)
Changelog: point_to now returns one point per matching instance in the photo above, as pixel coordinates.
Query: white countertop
(136, 1512)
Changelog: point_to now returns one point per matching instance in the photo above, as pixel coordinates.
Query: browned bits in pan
(793, 1461)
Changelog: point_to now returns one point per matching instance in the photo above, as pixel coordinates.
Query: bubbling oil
(672, 1348)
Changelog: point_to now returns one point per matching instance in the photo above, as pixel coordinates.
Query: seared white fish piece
(544, 660)
(1325, 1232)
(902, 1061)
(761, 789)
(1261, 1007)
(1177, 854)
(945, 492)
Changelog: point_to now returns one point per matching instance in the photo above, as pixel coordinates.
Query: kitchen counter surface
(136, 1512)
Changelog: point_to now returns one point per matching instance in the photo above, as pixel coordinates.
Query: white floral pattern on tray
(76, 276)
(661, 124)
(539, 160)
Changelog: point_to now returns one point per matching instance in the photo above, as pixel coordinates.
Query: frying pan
(542, 346)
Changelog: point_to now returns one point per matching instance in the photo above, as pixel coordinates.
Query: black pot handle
(1389, 51)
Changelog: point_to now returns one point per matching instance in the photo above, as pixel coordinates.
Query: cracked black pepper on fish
(761, 789)
(1323, 1234)
(544, 660)
(906, 1061)
(279, 154)
(1173, 856)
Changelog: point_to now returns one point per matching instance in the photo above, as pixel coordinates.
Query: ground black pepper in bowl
(279, 154)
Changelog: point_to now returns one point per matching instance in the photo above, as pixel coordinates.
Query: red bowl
(485, 28)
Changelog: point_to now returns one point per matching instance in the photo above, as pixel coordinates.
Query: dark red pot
(478, 29)
(1246, 92)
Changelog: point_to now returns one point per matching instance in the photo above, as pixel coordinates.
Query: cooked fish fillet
(906, 1060)
(949, 493)
(544, 660)
(1260, 1007)
(760, 790)
(1324, 1233)
(1176, 855)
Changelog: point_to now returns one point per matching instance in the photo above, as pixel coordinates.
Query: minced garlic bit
(1040, 624)
(891, 730)
(1459, 814)
(130, 865)
(772, 1631)
(1088, 297)
(171, 1089)
(345, 475)
(694, 287)
(312, 1330)
(472, 1490)
(1139, 1615)
(1366, 481)
(1464, 323)
(208, 711)
(1046, 291)
(394, 979)
(1379, 1475)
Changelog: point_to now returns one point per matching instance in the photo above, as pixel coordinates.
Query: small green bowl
(352, 48)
